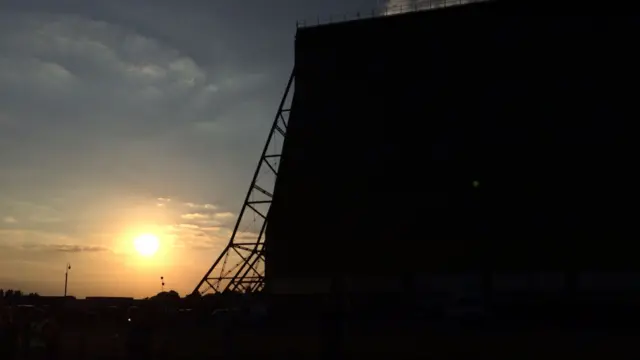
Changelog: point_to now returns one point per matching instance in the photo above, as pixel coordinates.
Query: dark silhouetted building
(476, 139)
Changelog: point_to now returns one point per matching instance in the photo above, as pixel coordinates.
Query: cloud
(96, 74)
(196, 216)
(33, 240)
(182, 223)
(32, 212)
(188, 226)
(218, 219)
(207, 237)
(9, 220)
(18, 237)
(199, 237)
(74, 248)
(223, 215)
(247, 235)
(63, 248)
(26, 243)
(162, 202)
(200, 206)
(114, 87)
(110, 98)
(201, 227)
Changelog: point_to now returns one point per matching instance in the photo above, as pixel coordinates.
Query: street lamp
(66, 278)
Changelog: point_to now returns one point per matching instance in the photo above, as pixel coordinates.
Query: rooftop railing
(393, 7)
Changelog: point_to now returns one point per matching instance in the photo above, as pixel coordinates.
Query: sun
(146, 244)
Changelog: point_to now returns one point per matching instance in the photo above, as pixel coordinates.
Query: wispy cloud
(9, 220)
(200, 206)
(198, 237)
(247, 235)
(212, 219)
(196, 216)
(78, 248)
(224, 215)
(162, 202)
(32, 212)
(38, 241)
(66, 248)
(201, 226)
(19, 236)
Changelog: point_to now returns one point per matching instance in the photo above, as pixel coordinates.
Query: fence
(393, 7)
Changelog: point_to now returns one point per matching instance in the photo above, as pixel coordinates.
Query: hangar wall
(456, 140)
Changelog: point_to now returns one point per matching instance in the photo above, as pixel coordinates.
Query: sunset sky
(120, 118)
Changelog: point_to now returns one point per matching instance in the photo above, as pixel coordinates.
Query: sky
(121, 117)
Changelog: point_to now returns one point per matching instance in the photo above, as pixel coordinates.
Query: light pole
(66, 278)
(162, 281)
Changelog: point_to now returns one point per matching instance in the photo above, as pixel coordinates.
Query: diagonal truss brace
(240, 266)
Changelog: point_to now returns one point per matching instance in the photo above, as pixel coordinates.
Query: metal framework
(240, 266)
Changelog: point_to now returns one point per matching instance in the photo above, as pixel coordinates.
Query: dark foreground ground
(538, 331)
(464, 337)
(201, 344)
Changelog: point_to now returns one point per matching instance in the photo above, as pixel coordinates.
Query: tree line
(171, 295)
(16, 294)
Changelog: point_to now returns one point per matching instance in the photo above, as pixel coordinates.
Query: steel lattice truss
(240, 266)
